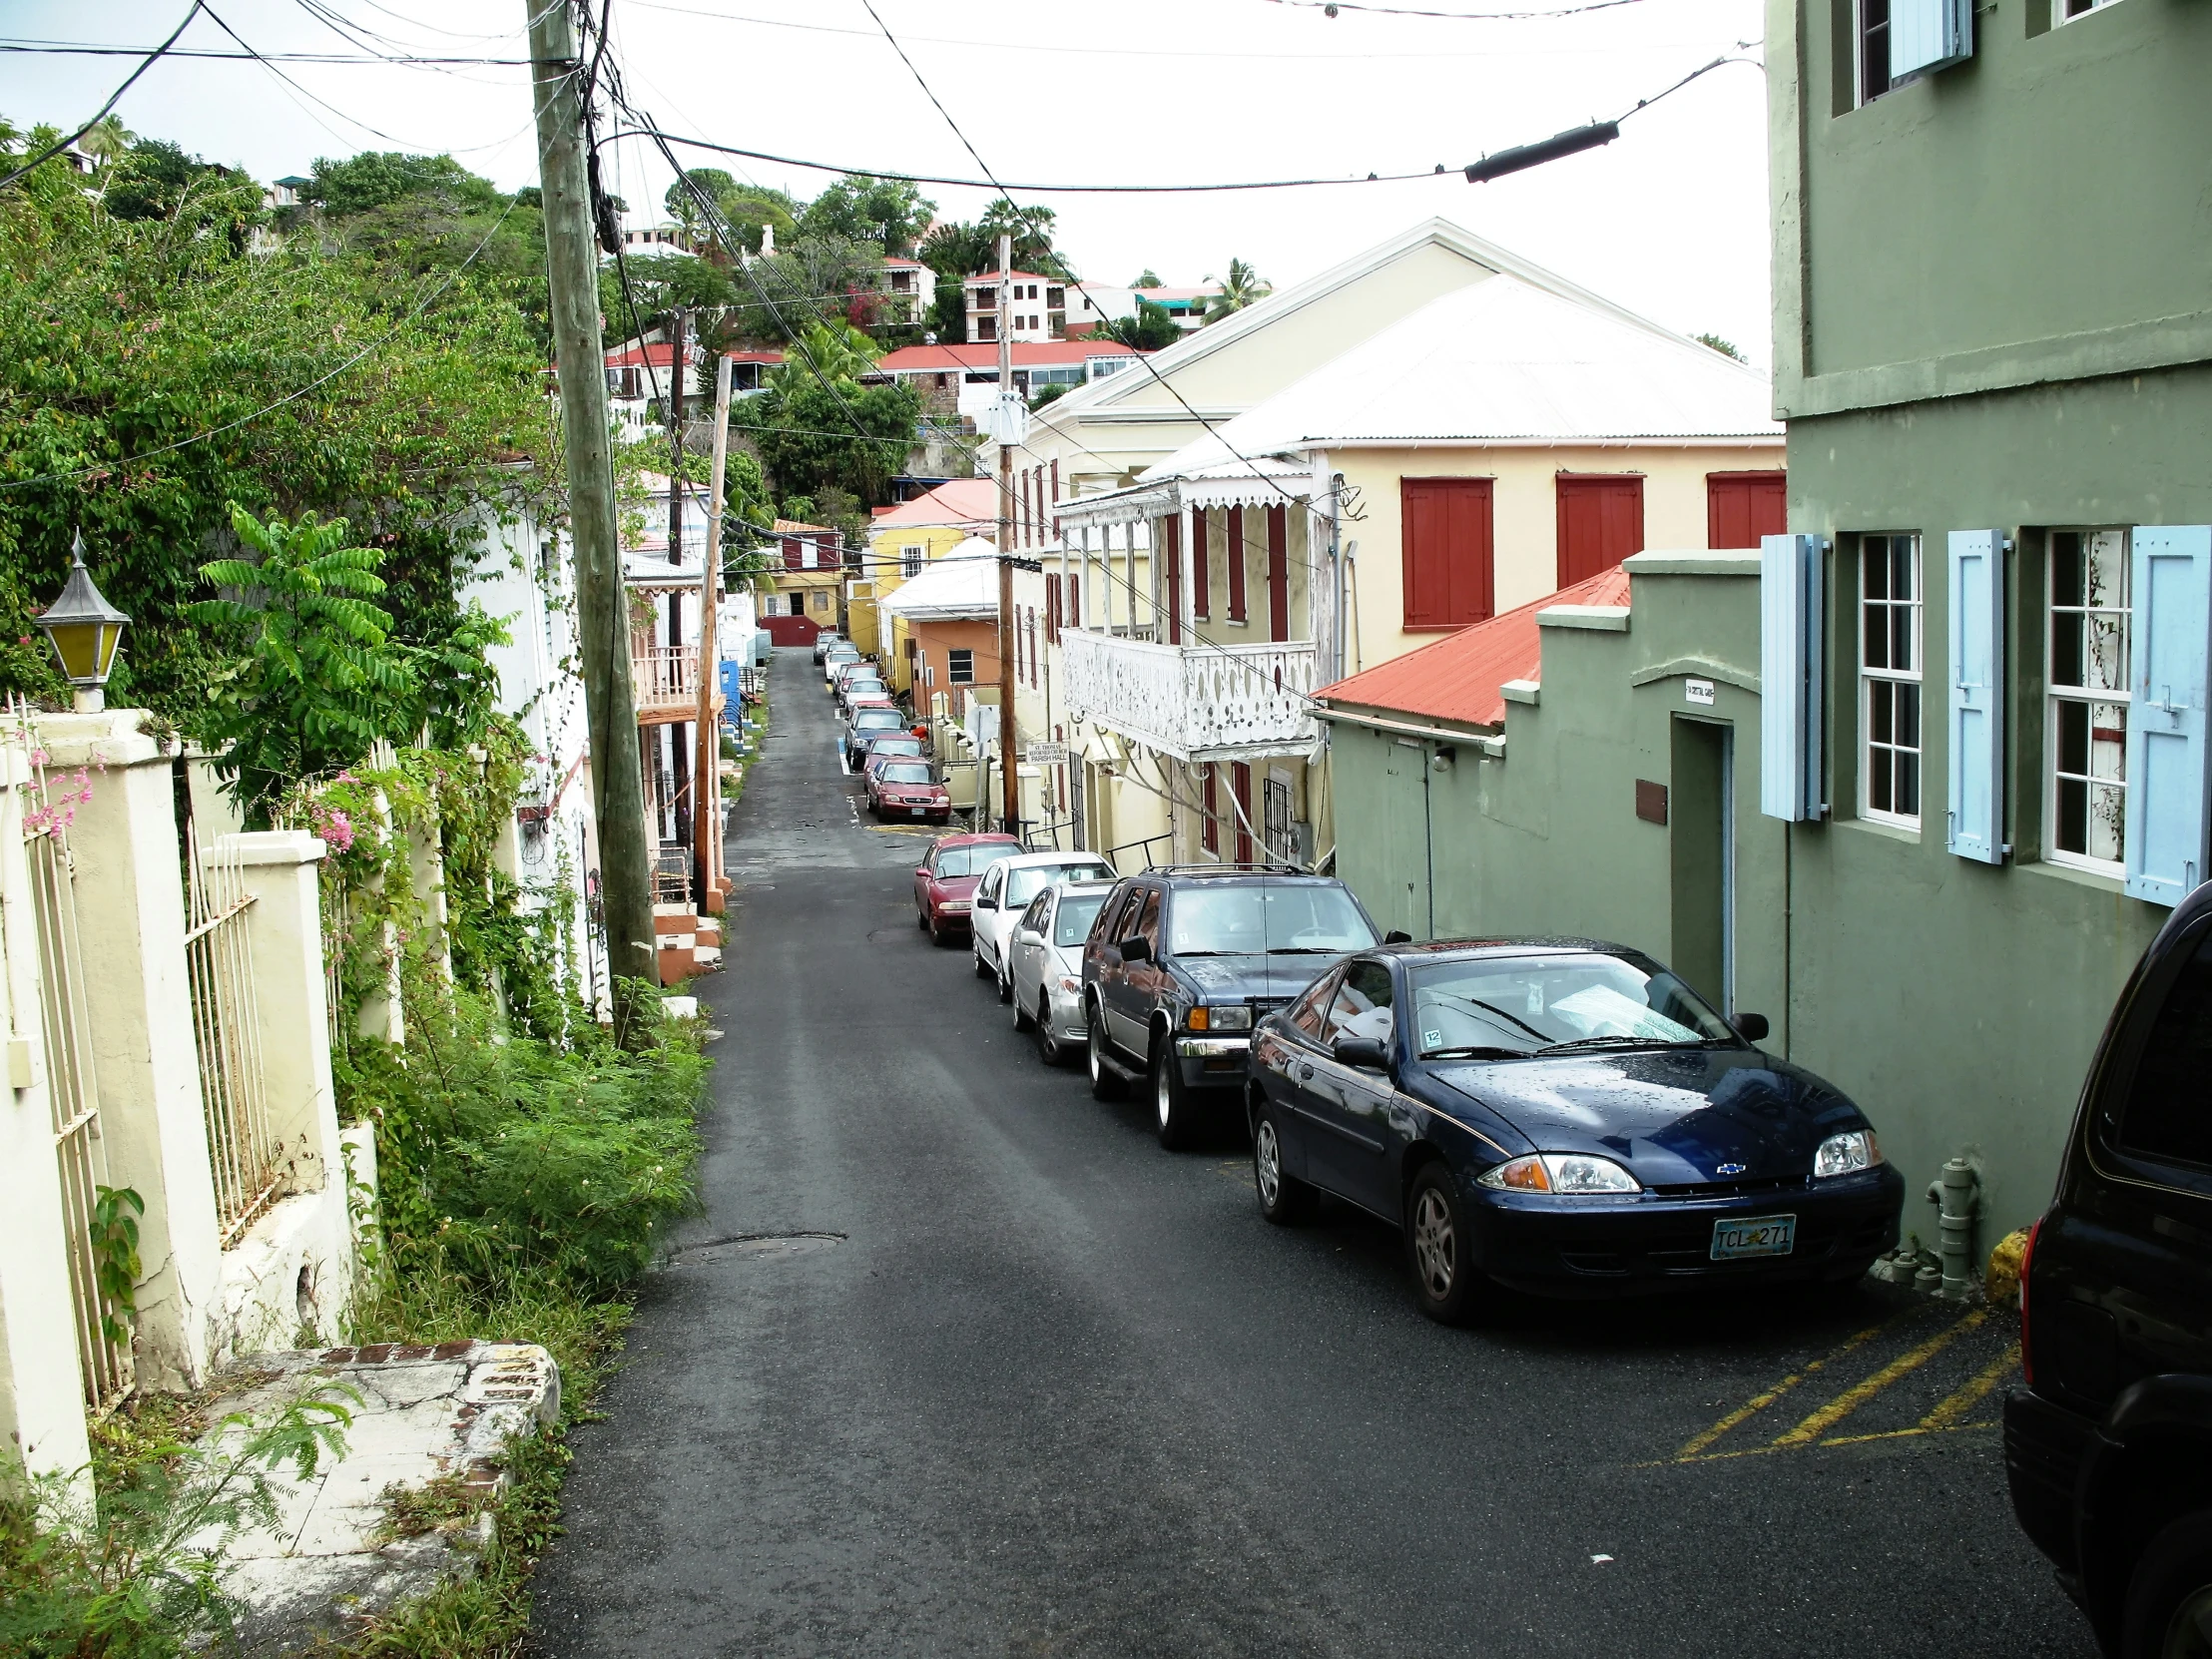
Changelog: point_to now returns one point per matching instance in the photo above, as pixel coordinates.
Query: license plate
(1742, 1235)
(918, 811)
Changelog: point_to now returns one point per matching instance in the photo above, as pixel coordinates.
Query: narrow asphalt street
(1021, 1384)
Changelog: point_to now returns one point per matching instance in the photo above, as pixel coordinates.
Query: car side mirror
(1363, 1053)
(1028, 935)
(1136, 948)
(1398, 935)
(921, 870)
(983, 901)
(1751, 1027)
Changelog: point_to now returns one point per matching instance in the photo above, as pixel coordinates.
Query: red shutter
(1173, 537)
(1236, 552)
(1740, 507)
(1445, 540)
(1601, 522)
(791, 554)
(1055, 496)
(1030, 630)
(1201, 598)
(1240, 783)
(1210, 820)
(1278, 573)
(1051, 609)
(1075, 601)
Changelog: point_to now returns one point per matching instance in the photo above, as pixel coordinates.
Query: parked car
(944, 881)
(861, 687)
(2108, 1442)
(824, 641)
(1184, 960)
(837, 657)
(1047, 972)
(1564, 1118)
(906, 789)
(837, 667)
(870, 721)
(884, 746)
(1004, 893)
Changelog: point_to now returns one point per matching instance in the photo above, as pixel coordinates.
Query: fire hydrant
(1957, 1195)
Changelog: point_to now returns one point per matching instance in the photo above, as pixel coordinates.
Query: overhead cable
(101, 113)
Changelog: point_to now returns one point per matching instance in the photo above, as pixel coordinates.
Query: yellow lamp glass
(87, 649)
(84, 627)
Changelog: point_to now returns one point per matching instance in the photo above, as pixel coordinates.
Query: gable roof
(956, 501)
(908, 359)
(963, 584)
(1458, 679)
(1502, 361)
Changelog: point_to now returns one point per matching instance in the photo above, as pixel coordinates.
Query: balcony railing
(664, 677)
(1193, 701)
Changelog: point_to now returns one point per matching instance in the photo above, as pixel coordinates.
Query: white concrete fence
(165, 1030)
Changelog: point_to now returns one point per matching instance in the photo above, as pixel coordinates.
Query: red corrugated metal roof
(1457, 678)
(957, 501)
(1027, 355)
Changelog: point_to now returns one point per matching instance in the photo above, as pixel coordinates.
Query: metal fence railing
(241, 1149)
(65, 1017)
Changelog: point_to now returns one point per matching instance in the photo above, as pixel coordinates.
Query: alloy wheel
(1266, 1163)
(1433, 1244)
(2189, 1631)
(1096, 1052)
(1163, 1089)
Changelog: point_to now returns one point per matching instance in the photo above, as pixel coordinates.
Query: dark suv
(2109, 1447)
(1180, 965)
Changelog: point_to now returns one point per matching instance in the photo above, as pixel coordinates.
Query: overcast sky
(1671, 220)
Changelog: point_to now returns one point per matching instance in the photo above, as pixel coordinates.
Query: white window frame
(1872, 677)
(2061, 16)
(910, 562)
(2056, 694)
(1867, 94)
(952, 674)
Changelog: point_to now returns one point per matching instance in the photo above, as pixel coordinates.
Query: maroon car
(900, 788)
(945, 878)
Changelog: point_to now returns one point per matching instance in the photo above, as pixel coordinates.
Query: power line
(59, 48)
(114, 97)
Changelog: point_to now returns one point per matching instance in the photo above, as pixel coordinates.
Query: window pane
(2105, 569)
(1902, 654)
(2065, 566)
(2073, 739)
(1878, 637)
(1908, 784)
(1880, 725)
(2107, 652)
(2107, 740)
(1874, 560)
(2073, 816)
(2065, 647)
(1909, 716)
(1879, 794)
(1901, 585)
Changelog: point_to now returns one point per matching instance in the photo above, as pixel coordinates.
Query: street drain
(753, 1247)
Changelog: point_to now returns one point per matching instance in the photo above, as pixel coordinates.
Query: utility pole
(707, 773)
(602, 620)
(676, 377)
(1008, 766)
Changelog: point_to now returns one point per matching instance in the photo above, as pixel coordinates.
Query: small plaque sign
(1046, 754)
(1699, 692)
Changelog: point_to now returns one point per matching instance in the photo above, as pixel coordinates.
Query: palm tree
(1242, 288)
(106, 141)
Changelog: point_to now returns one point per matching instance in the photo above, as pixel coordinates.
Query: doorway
(1701, 839)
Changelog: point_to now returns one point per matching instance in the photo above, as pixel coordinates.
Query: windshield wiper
(1614, 1040)
(1474, 1051)
(1303, 951)
(1180, 954)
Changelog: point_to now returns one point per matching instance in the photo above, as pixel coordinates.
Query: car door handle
(1304, 1073)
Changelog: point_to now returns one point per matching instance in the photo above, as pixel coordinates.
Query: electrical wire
(100, 114)
(57, 48)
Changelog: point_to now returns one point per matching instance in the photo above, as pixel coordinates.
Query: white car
(1047, 972)
(1005, 891)
(839, 656)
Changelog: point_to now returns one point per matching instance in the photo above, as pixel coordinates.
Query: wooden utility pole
(707, 774)
(602, 618)
(676, 377)
(1009, 771)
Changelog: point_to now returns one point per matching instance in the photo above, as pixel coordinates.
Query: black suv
(1182, 961)
(2109, 1447)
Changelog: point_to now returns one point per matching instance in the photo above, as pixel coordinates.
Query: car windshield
(1279, 918)
(973, 861)
(1072, 925)
(885, 719)
(1550, 1003)
(905, 772)
(1025, 885)
(883, 747)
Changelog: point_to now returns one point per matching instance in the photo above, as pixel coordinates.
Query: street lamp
(86, 630)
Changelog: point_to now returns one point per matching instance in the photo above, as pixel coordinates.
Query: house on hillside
(806, 587)
(962, 380)
(1511, 436)
(1186, 308)
(908, 288)
(902, 542)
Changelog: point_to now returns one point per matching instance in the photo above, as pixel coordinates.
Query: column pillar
(131, 930)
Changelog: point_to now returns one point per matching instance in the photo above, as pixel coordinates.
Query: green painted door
(1702, 862)
(1405, 840)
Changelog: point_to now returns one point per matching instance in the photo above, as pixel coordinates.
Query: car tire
(1284, 1199)
(1173, 1112)
(2168, 1610)
(1022, 1021)
(1106, 1083)
(1048, 1046)
(921, 918)
(937, 936)
(1452, 1290)
(1007, 993)
(983, 971)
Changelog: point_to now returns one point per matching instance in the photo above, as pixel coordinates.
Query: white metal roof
(1502, 361)
(962, 583)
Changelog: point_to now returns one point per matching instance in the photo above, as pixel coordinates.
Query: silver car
(1004, 893)
(1047, 967)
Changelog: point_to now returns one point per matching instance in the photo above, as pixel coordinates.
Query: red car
(904, 789)
(945, 878)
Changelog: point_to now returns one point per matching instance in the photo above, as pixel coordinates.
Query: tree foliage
(818, 427)
(379, 178)
(889, 213)
(1241, 287)
(1151, 330)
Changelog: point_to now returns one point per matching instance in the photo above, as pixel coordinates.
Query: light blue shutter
(1927, 35)
(1977, 695)
(1789, 657)
(2171, 573)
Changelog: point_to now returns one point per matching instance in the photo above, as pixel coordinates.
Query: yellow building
(900, 542)
(806, 582)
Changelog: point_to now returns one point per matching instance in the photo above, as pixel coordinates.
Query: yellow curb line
(1760, 1402)
(1842, 1407)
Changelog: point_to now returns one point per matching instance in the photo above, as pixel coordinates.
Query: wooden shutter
(1445, 541)
(1790, 674)
(1055, 496)
(1976, 667)
(1075, 601)
(1236, 552)
(1743, 508)
(1201, 567)
(1601, 522)
(1240, 784)
(2171, 571)
(1172, 537)
(793, 559)
(1210, 818)
(1278, 573)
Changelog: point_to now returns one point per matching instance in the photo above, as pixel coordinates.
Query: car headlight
(956, 905)
(1229, 1017)
(1071, 985)
(1559, 1172)
(1846, 1154)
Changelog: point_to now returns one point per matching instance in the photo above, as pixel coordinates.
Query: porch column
(131, 930)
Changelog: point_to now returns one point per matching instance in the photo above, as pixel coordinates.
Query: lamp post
(86, 630)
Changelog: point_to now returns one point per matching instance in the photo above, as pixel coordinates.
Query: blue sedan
(1561, 1117)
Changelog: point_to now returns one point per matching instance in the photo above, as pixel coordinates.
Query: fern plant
(321, 678)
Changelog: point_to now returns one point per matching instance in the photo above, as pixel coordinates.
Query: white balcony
(663, 680)
(1195, 702)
